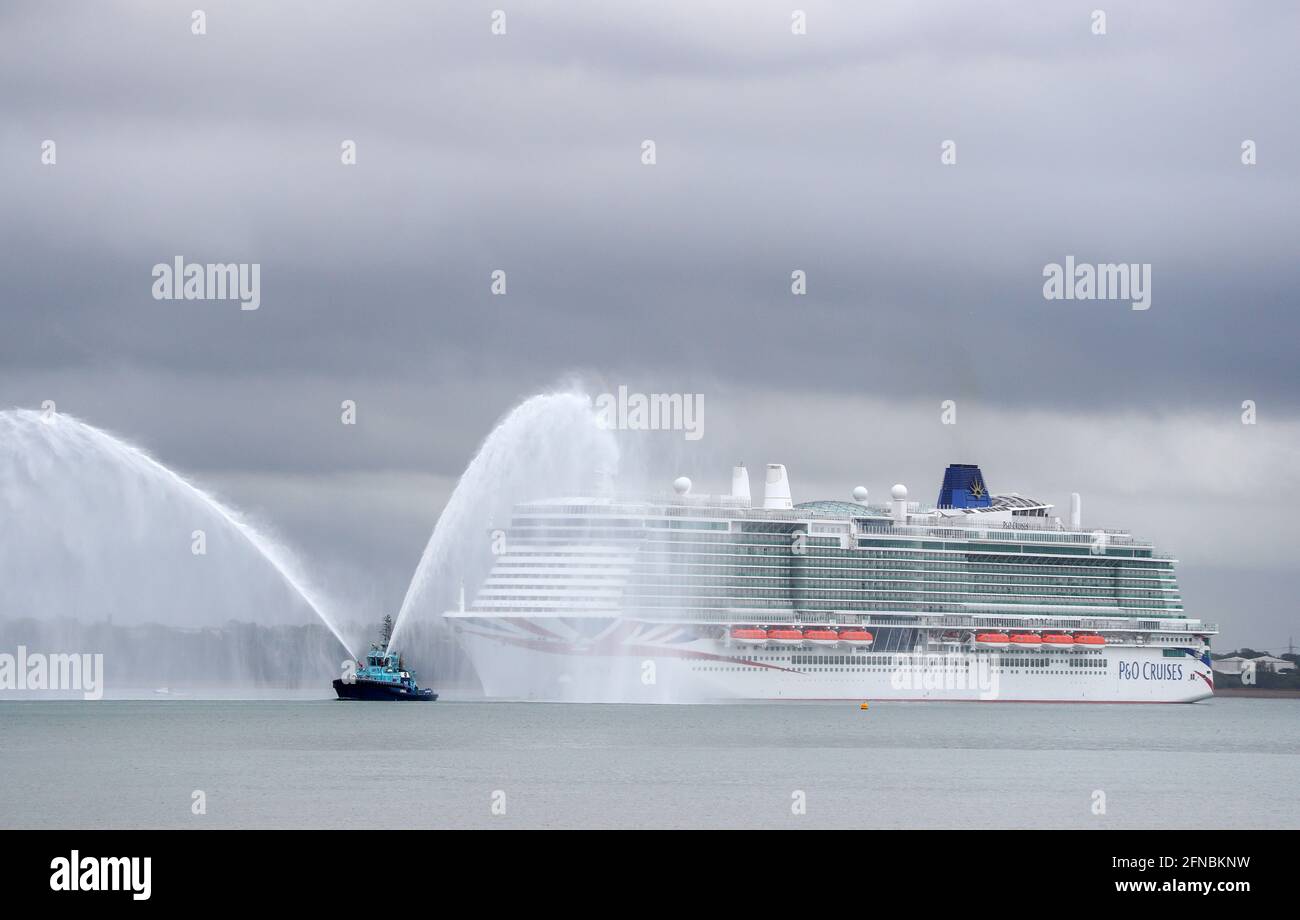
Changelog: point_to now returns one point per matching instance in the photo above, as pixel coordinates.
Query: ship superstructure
(691, 597)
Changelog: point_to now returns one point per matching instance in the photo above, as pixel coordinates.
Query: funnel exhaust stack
(776, 490)
(1076, 511)
(740, 484)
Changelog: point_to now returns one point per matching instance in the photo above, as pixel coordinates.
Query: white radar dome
(860, 494)
(681, 485)
(899, 491)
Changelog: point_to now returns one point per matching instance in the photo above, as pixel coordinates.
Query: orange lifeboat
(1026, 640)
(992, 639)
(856, 637)
(1087, 640)
(1058, 640)
(785, 637)
(821, 636)
(749, 635)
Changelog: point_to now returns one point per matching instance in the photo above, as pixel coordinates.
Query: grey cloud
(521, 153)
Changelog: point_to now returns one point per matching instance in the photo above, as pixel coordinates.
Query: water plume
(96, 530)
(549, 446)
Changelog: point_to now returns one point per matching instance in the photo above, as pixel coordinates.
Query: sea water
(322, 763)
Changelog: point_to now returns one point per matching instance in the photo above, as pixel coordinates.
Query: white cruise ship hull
(699, 598)
(669, 663)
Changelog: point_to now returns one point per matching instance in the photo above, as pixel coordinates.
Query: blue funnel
(963, 487)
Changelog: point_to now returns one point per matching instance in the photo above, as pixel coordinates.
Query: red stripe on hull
(853, 699)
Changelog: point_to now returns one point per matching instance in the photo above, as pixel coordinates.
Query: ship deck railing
(1139, 623)
(1017, 534)
(875, 520)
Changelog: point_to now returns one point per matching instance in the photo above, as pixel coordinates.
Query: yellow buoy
(864, 705)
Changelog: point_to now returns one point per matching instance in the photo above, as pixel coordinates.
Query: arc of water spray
(269, 550)
(255, 538)
(501, 454)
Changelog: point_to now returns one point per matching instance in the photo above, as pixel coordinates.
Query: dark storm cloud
(521, 152)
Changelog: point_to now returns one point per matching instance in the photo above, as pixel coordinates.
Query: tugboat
(383, 677)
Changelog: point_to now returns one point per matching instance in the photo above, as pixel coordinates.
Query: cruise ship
(699, 598)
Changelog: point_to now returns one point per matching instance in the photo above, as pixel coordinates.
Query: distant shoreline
(1258, 692)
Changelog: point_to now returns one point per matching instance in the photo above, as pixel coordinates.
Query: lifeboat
(1058, 640)
(992, 639)
(784, 637)
(1085, 640)
(1027, 640)
(856, 637)
(749, 635)
(821, 636)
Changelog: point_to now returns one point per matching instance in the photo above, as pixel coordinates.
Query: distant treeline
(1264, 678)
(234, 654)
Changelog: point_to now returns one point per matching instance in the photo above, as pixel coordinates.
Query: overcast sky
(775, 152)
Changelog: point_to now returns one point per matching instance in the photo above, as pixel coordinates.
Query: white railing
(1008, 534)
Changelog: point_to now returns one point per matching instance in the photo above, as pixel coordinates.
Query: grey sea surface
(320, 763)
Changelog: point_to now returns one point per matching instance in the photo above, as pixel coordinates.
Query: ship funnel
(776, 491)
(1076, 511)
(740, 483)
(963, 486)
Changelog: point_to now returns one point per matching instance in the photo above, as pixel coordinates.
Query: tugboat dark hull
(368, 690)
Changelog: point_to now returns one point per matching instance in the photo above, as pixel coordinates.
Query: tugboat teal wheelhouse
(383, 677)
